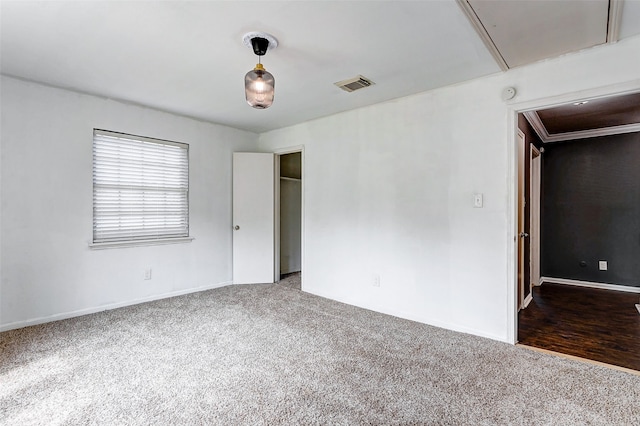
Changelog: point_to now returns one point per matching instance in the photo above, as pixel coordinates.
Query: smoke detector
(355, 83)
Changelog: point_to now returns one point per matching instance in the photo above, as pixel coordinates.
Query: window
(140, 189)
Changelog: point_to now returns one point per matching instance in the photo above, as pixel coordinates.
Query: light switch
(477, 201)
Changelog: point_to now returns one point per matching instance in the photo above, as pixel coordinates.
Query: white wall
(389, 192)
(47, 268)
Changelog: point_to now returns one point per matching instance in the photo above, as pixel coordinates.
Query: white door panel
(253, 218)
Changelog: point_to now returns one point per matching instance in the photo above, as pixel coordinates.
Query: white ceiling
(524, 35)
(188, 57)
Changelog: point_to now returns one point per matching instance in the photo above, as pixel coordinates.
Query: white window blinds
(140, 188)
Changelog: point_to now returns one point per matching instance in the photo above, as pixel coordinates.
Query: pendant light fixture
(259, 84)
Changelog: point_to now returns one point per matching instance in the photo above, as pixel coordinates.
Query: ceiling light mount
(248, 38)
(259, 84)
(260, 45)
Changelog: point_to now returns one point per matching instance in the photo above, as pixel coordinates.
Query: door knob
(523, 235)
(236, 227)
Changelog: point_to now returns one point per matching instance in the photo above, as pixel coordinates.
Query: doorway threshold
(580, 359)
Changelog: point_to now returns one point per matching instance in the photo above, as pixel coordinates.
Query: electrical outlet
(602, 265)
(147, 274)
(376, 280)
(478, 201)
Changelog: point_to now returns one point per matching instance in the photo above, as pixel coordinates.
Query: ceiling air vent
(355, 83)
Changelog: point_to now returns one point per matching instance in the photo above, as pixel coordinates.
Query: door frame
(278, 153)
(513, 109)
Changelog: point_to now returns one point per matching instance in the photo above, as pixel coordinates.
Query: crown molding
(534, 119)
(482, 32)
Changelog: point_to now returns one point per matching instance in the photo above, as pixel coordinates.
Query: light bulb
(259, 87)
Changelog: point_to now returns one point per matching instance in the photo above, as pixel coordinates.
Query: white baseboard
(93, 310)
(411, 317)
(590, 284)
(527, 300)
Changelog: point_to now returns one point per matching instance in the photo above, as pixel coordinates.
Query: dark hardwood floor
(600, 325)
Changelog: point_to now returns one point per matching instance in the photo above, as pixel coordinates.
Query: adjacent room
(580, 197)
(320, 212)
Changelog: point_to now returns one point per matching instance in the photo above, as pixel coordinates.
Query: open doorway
(289, 227)
(581, 220)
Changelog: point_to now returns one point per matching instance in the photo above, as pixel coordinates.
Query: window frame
(140, 240)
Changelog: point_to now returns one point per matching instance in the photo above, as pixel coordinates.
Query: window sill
(139, 243)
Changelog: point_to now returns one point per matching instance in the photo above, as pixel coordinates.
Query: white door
(535, 216)
(253, 218)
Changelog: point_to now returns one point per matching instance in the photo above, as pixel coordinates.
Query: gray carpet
(266, 354)
(292, 280)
